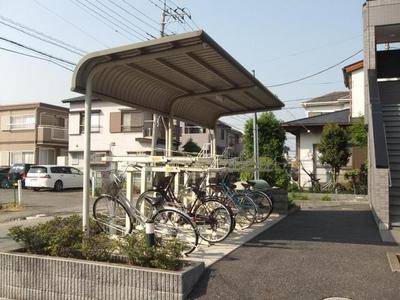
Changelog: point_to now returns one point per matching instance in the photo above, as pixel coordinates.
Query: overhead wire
(52, 41)
(36, 57)
(115, 21)
(71, 23)
(315, 74)
(89, 11)
(37, 51)
(139, 19)
(139, 11)
(123, 18)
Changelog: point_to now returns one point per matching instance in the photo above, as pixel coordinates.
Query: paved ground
(313, 254)
(42, 202)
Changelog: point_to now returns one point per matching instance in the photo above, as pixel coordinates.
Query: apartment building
(229, 140)
(116, 131)
(33, 133)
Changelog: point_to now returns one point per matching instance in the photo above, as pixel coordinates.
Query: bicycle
(262, 200)
(213, 219)
(116, 215)
(243, 207)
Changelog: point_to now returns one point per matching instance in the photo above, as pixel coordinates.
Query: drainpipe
(35, 141)
(86, 155)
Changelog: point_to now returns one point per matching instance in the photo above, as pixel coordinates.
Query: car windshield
(38, 170)
(17, 168)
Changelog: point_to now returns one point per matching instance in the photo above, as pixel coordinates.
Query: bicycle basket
(109, 184)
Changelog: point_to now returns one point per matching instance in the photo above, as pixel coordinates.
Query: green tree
(271, 137)
(191, 147)
(358, 133)
(334, 148)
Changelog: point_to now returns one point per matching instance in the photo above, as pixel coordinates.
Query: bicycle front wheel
(213, 220)
(173, 225)
(112, 216)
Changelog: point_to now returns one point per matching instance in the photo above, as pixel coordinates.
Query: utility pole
(255, 145)
(155, 116)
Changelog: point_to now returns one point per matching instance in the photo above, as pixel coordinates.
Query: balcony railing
(48, 133)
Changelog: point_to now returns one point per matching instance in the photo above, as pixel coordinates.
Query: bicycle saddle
(154, 200)
(251, 182)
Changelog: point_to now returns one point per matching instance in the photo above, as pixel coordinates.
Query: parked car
(56, 178)
(4, 177)
(18, 172)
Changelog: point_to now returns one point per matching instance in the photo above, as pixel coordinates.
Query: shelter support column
(170, 135)
(86, 154)
(214, 142)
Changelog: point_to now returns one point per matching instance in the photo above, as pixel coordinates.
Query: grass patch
(326, 198)
(297, 196)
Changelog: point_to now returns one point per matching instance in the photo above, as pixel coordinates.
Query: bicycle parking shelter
(187, 77)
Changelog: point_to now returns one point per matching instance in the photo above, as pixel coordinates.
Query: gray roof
(331, 97)
(341, 117)
(188, 76)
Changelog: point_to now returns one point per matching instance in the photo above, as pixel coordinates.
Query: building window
(222, 134)
(22, 157)
(95, 122)
(132, 121)
(47, 156)
(22, 122)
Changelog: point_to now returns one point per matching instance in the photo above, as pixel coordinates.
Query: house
(229, 140)
(342, 108)
(327, 103)
(116, 131)
(34, 133)
(382, 110)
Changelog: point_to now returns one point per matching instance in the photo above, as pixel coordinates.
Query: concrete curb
(27, 276)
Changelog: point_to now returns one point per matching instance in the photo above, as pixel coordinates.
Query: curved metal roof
(187, 75)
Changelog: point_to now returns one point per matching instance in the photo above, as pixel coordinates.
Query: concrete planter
(27, 276)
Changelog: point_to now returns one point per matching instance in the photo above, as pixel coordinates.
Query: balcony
(52, 134)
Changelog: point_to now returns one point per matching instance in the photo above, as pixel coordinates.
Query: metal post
(255, 144)
(86, 155)
(150, 237)
(143, 180)
(166, 125)
(214, 143)
(176, 184)
(255, 148)
(129, 196)
(19, 192)
(93, 186)
(154, 135)
(170, 135)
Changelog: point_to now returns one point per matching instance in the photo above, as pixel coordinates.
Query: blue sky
(281, 40)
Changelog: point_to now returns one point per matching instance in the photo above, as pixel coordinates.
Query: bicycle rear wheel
(263, 203)
(213, 220)
(112, 216)
(173, 225)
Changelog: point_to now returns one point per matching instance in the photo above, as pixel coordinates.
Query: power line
(36, 57)
(317, 73)
(80, 53)
(70, 23)
(89, 11)
(37, 51)
(313, 49)
(123, 18)
(128, 12)
(139, 11)
(136, 34)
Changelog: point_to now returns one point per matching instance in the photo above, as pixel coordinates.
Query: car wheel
(36, 189)
(58, 186)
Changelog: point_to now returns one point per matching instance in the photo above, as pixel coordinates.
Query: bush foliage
(63, 237)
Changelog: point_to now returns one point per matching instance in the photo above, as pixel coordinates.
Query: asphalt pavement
(316, 253)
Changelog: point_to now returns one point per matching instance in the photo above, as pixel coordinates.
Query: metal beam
(184, 73)
(209, 68)
(159, 78)
(235, 101)
(253, 98)
(216, 104)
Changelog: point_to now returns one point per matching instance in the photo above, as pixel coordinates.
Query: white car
(53, 177)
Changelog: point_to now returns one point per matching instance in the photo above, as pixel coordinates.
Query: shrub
(98, 247)
(166, 256)
(293, 187)
(326, 198)
(297, 196)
